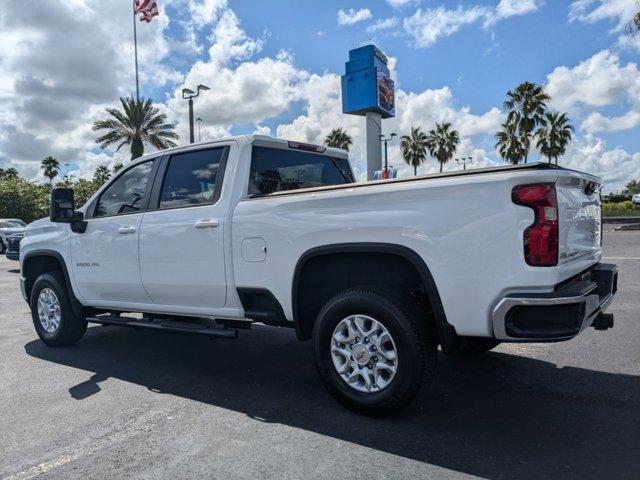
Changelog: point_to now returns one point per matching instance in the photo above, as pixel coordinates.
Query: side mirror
(63, 210)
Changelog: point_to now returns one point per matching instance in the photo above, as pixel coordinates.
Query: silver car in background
(9, 226)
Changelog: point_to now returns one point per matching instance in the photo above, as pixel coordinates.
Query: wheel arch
(38, 262)
(304, 323)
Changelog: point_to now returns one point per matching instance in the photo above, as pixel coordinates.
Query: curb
(621, 219)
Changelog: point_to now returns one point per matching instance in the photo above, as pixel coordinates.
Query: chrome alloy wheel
(49, 312)
(364, 353)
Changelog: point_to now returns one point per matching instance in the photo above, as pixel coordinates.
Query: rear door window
(192, 179)
(276, 170)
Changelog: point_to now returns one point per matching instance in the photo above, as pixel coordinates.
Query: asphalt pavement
(143, 404)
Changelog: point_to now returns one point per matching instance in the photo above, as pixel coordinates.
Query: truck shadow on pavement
(495, 416)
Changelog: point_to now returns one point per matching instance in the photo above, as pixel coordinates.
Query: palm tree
(138, 123)
(50, 167)
(508, 144)
(101, 174)
(414, 148)
(116, 167)
(442, 142)
(527, 104)
(554, 136)
(338, 138)
(9, 174)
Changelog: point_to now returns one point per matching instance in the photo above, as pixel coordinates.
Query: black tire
(476, 346)
(71, 327)
(2, 246)
(415, 345)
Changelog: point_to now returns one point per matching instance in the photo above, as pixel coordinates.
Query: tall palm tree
(50, 168)
(414, 148)
(116, 167)
(527, 104)
(442, 142)
(138, 123)
(554, 136)
(101, 174)
(508, 143)
(338, 138)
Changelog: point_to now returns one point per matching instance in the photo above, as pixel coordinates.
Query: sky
(274, 68)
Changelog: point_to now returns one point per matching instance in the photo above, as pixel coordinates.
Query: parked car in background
(9, 226)
(13, 246)
(636, 199)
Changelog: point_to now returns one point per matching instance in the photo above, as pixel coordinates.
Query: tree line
(528, 122)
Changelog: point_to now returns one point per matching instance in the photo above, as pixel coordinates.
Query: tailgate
(580, 215)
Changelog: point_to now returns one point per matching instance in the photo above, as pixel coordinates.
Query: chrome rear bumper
(559, 315)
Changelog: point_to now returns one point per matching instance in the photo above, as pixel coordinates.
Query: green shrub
(622, 209)
(30, 201)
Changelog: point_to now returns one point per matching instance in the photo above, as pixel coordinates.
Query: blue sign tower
(367, 89)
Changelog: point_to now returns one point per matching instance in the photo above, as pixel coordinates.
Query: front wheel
(2, 247)
(53, 317)
(372, 350)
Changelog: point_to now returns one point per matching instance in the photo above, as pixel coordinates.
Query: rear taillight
(540, 238)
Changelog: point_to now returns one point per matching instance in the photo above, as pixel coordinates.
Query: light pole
(385, 140)
(199, 120)
(189, 94)
(464, 161)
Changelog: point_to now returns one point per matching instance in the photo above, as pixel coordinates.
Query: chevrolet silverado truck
(209, 238)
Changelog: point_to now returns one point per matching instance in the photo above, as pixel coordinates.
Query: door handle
(206, 223)
(126, 230)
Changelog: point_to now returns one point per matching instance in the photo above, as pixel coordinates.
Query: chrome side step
(164, 325)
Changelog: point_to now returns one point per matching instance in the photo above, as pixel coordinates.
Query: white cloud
(429, 25)
(401, 3)
(383, 24)
(596, 122)
(56, 65)
(593, 11)
(230, 42)
(352, 16)
(510, 8)
(205, 12)
(616, 166)
(598, 81)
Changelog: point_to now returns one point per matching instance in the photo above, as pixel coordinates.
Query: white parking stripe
(46, 466)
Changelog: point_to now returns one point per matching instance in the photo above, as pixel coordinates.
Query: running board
(164, 325)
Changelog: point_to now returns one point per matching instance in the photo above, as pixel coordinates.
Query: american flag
(147, 9)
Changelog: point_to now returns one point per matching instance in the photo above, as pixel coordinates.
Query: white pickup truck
(208, 238)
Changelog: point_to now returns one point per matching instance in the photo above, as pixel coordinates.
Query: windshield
(16, 223)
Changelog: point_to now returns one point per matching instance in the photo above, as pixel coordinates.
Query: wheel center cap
(361, 354)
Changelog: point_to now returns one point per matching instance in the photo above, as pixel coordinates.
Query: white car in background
(9, 226)
(636, 199)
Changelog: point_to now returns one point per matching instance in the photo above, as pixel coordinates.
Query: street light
(385, 140)
(464, 161)
(189, 94)
(199, 120)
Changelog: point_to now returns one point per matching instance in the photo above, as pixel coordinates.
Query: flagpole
(135, 48)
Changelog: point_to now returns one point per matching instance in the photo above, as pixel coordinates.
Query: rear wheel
(372, 350)
(53, 317)
(2, 246)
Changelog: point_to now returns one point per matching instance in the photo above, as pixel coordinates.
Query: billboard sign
(367, 84)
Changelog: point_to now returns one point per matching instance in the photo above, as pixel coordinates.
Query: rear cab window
(276, 170)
